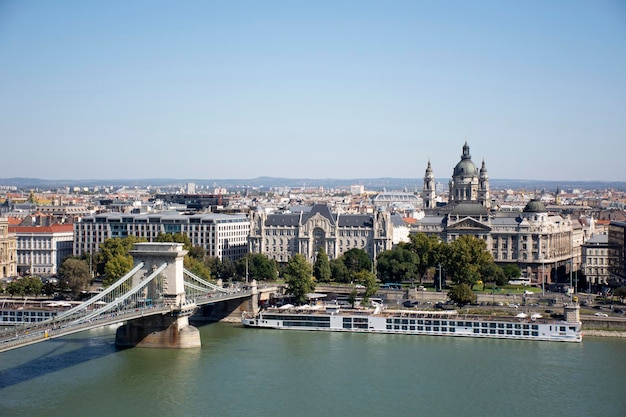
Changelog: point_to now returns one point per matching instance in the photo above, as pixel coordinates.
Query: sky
(312, 89)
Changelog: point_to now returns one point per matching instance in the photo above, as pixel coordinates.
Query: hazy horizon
(326, 89)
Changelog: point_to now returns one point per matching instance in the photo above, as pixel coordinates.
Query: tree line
(464, 262)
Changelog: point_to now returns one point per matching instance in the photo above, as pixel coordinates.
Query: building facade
(282, 235)
(617, 243)
(539, 243)
(224, 236)
(596, 255)
(41, 249)
(8, 250)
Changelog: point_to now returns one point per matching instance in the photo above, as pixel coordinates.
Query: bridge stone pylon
(153, 255)
(170, 330)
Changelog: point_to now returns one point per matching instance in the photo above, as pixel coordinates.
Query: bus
(391, 286)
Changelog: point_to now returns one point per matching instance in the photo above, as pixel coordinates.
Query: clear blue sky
(312, 89)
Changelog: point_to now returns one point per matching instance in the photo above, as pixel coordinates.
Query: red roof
(55, 228)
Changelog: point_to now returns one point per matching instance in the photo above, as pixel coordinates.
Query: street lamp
(543, 280)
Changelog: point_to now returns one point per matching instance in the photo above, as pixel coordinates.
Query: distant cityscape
(548, 229)
(268, 183)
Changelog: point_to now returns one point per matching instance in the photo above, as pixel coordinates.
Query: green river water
(261, 372)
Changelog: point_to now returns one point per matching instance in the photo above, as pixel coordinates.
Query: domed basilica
(542, 245)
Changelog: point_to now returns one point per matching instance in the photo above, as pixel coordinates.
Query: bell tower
(428, 193)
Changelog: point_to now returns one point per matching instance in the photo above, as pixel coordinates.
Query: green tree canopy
(175, 238)
(427, 249)
(368, 280)
(462, 294)
(74, 275)
(321, 268)
(111, 249)
(298, 277)
(116, 267)
(259, 266)
(356, 260)
(398, 264)
(197, 267)
(223, 269)
(511, 272)
(494, 274)
(338, 270)
(464, 258)
(29, 285)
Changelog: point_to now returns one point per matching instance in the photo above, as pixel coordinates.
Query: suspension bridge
(154, 300)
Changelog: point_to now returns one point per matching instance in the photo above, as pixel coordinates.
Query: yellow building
(8, 250)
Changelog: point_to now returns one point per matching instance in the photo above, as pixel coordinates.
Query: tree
(116, 267)
(338, 271)
(257, 266)
(352, 296)
(356, 260)
(197, 267)
(462, 294)
(427, 250)
(464, 258)
(299, 279)
(223, 269)
(321, 268)
(175, 238)
(494, 274)
(29, 285)
(397, 264)
(74, 275)
(368, 280)
(511, 272)
(110, 250)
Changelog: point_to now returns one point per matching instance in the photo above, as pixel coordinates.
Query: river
(261, 372)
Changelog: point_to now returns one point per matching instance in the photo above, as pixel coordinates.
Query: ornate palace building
(544, 246)
(282, 235)
(8, 250)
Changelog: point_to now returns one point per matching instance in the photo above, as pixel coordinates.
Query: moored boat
(436, 323)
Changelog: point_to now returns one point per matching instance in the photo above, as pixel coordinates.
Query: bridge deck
(20, 336)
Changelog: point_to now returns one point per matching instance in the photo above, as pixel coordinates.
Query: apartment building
(224, 236)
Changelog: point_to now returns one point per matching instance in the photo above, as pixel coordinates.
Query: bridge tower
(170, 330)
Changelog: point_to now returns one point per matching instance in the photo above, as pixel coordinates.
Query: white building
(595, 260)
(224, 236)
(42, 249)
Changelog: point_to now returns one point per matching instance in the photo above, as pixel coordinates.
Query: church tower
(484, 196)
(428, 193)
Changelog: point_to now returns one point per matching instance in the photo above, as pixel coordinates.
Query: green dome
(535, 206)
(465, 168)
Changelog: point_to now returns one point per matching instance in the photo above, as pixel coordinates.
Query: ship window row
(349, 325)
(464, 324)
(296, 318)
(301, 323)
(355, 319)
(421, 328)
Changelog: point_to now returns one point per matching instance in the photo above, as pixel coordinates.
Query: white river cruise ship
(439, 323)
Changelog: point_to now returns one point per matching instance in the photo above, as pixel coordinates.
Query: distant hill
(371, 184)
